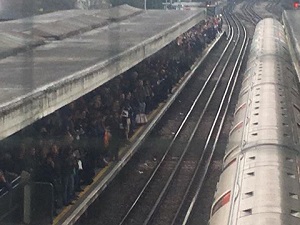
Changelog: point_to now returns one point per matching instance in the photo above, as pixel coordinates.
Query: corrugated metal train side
(260, 179)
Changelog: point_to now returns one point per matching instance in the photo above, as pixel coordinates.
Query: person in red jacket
(4, 184)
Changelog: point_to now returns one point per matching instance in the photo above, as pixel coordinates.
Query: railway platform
(51, 69)
(44, 68)
(290, 20)
(70, 214)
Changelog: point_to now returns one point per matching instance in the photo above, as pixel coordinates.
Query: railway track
(181, 171)
(249, 12)
(274, 8)
(161, 184)
(193, 216)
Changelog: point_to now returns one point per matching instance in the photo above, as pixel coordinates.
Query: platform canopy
(50, 60)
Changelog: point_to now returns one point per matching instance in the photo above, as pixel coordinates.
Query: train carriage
(260, 179)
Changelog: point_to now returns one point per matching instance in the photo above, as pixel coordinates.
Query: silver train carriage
(259, 184)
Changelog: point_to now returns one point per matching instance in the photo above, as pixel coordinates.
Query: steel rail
(233, 79)
(246, 14)
(175, 136)
(254, 17)
(167, 185)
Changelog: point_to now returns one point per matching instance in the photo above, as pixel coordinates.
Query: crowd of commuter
(66, 147)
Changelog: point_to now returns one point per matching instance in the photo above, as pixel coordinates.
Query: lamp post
(145, 4)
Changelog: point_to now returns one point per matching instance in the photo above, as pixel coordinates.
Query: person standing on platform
(67, 175)
(126, 119)
(116, 136)
(4, 184)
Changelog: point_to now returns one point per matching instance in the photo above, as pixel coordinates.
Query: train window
(247, 212)
(293, 195)
(250, 174)
(239, 108)
(256, 123)
(221, 202)
(230, 152)
(252, 157)
(244, 91)
(295, 213)
(230, 163)
(256, 114)
(297, 107)
(291, 175)
(236, 127)
(248, 194)
(257, 107)
(257, 88)
(245, 79)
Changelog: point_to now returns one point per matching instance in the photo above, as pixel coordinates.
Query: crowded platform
(68, 147)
